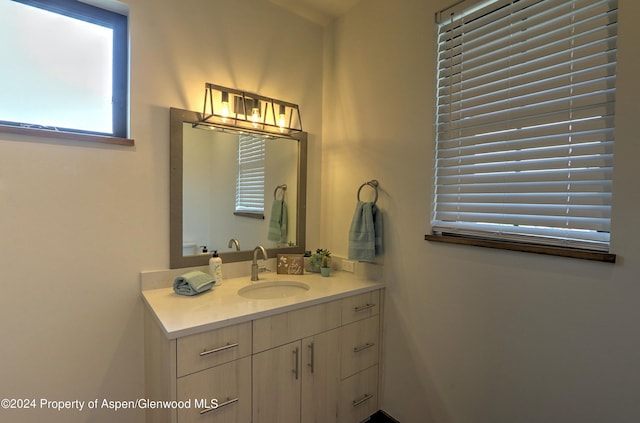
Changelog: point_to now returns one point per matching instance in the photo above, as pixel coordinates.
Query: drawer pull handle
(215, 350)
(362, 347)
(311, 357)
(227, 402)
(366, 397)
(296, 366)
(367, 306)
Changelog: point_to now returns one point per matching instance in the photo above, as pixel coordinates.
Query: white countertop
(222, 306)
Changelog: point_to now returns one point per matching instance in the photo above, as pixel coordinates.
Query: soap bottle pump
(215, 268)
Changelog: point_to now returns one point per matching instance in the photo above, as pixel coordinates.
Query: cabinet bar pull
(366, 397)
(296, 357)
(227, 402)
(311, 356)
(363, 347)
(226, 347)
(363, 308)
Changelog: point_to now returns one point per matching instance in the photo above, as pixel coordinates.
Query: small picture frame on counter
(290, 264)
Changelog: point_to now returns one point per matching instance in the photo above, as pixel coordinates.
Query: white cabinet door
(277, 376)
(321, 377)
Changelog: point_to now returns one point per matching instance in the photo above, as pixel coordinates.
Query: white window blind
(250, 183)
(525, 121)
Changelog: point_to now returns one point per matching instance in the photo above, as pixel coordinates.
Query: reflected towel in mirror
(278, 222)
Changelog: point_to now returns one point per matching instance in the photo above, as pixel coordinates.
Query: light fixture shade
(244, 110)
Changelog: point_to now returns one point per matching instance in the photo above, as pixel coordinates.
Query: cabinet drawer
(359, 396)
(359, 345)
(219, 394)
(360, 307)
(208, 349)
(283, 328)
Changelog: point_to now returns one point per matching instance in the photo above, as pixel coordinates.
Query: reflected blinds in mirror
(251, 172)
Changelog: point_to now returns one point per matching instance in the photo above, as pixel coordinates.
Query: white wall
(475, 335)
(79, 221)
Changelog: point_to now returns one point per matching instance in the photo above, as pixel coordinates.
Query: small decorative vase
(325, 271)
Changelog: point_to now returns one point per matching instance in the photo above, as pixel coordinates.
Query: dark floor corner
(381, 417)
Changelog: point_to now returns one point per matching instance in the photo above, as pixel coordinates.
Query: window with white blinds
(250, 182)
(525, 121)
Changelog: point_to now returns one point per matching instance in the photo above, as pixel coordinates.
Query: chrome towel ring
(283, 187)
(373, 184)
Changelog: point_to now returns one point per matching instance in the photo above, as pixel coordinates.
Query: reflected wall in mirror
(204, 176)
(209, 190)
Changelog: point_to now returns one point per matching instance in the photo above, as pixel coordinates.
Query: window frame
(487, 239)
(120, 89)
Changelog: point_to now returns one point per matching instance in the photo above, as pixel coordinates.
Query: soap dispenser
(215, 268)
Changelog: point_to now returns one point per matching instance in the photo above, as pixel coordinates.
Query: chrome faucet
(254, 263)
(233, 241)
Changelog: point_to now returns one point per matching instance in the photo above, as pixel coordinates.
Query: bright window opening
(64, 67)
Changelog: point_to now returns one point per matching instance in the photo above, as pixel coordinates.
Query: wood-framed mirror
(203, 193)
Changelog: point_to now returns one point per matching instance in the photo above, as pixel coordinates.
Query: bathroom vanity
(306, 352)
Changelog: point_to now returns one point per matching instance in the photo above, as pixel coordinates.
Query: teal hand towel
(192, 283)
(365, 233)
(278, 223)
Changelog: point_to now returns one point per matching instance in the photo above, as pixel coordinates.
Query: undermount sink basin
(273, 289)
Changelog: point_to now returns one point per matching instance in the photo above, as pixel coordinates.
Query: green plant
(320, 258)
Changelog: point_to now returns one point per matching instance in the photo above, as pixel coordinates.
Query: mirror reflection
(231, 186)
(226, 199)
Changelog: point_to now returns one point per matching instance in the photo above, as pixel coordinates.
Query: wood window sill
(72, 136)
(250, 215)
(523, 247)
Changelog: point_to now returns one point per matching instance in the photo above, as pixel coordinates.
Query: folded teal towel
(192, 283)
(365, 233)
(278, 222)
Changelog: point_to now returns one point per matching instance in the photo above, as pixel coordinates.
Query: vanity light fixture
(255, 113)
(224, 112)
(232, 110)
(282, 118)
